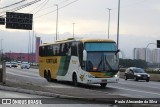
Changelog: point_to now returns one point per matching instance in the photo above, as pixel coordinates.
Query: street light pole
(73, 29)
(109, 21)
(118, 24)
(146, 50)
(1, 50)
(57, 22)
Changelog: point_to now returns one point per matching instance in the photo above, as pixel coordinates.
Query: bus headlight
(116, 76)
(91, 76)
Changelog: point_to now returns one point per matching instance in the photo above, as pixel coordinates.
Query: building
(28, 57)
(20, 56)
(156, 56)
(143, 54)
(152, 56)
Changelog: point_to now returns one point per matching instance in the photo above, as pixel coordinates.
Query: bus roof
(79, 39)
(97, 40)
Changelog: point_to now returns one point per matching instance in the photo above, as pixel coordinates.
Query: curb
(41, 93)
(49, 94)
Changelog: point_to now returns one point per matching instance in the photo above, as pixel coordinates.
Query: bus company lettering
(53, 61)
(74, 61)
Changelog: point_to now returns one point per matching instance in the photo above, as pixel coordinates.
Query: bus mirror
(117, 51)
(84, 55)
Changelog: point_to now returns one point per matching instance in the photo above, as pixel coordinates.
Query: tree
(133, 63)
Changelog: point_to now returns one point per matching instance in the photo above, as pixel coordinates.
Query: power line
(63, 1)
(56, 9)
(37, 6)
(26, 5)
(12, 4)
(53, 5)
(132, 4)
(136, 3)
(41, 6)
(22, 6)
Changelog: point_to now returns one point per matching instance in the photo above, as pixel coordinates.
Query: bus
(86, 61)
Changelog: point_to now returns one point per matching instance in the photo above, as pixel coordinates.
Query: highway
(129, 88)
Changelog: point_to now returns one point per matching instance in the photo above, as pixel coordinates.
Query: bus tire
(45, 75)
(74, 79)
(103, 85)
(125, 77)
(49, 77)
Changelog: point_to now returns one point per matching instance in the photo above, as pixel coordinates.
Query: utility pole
(1, 50)
(109, 21)
(73, 29)
(57, 22)
(118, 25)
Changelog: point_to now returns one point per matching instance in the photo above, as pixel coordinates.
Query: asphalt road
(129, 88)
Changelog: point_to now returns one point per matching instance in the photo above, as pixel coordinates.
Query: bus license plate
(104, 81)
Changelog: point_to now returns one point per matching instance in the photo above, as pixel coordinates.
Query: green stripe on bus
(64, 64)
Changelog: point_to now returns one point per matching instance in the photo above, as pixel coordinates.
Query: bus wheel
(45, 74)
(49, 77)
(103, 85)
(74, 80)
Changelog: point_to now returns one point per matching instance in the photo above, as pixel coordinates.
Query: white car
(25, 65)
(14, 64)
(8, 64)
(157, 69)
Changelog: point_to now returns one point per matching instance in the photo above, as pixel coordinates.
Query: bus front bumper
(102, 80)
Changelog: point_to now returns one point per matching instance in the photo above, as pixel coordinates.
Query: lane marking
(21, 73)
(141, 85)
(136, 90)
(35, 77)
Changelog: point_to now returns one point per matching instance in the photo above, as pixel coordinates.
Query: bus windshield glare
(101, 57)
(100, 46)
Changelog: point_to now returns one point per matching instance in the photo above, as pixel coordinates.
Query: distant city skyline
(149, 55)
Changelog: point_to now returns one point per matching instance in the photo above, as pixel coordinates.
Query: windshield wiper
(109, 66)
(100, 63)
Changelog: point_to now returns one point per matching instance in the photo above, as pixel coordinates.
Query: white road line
(59, 86)
(135, 90)
(35, 77)
(22, 72)
(146, 85)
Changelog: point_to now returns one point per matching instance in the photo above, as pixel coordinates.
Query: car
(8, 64)
(14, 64)
(157, 70)
(25, 65)
(136, 74)
(19, 62)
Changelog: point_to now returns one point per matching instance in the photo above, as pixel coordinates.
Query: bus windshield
(103, 58)
(111, 46)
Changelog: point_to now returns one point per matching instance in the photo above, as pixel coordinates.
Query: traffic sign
(19, 20)
(158, 43)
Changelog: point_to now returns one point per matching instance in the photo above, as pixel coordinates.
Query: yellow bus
(86, 61)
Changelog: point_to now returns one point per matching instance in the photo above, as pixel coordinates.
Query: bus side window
(65, 49)
(45, 50)
(41, 51)
(74, 49)
(80, 52)
(50, 52)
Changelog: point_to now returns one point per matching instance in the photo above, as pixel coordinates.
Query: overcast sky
(139, 22)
